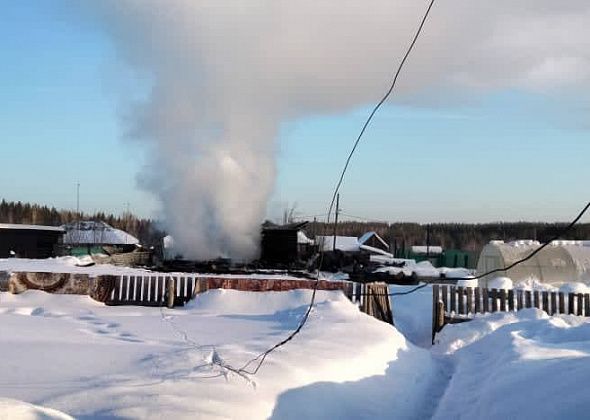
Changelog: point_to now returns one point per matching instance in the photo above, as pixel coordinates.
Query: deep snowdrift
(14, 409)
(521, 365)
(85, 359)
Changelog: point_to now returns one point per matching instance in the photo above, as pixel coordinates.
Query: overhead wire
(259, 360)
(545, 244)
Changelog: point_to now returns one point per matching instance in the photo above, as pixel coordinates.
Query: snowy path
(503, 365)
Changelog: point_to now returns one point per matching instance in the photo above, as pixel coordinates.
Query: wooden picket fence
(373, 299)
(150, 290)
(452, 304)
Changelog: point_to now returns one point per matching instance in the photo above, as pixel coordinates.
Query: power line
(560, 234)
(259, 360)
(557, 236)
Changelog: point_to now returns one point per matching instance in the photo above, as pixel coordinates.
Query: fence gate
(150, 290)
(374, 300)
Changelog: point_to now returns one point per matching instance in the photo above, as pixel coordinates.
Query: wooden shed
(29, 241)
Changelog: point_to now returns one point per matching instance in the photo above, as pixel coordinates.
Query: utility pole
(78, 212)
(428, 241)
(336, 219)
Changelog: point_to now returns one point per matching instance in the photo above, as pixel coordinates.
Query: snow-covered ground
(522, 365)
(87, 360)
(69, 355)
(81, 265)
(66, 265)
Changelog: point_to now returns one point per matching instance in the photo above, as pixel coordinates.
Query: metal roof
(15, 226)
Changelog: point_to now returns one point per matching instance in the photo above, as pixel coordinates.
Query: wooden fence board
(536, 299)
(586, 304)
(580, 309)
(561, 303)
(139, 285)
(469, 291)
(554, 308)
(519, 299)
(478, 307)
(527, 299)
(153, 289)
(494, 296)
(124, 288)
(486, 301)
(570, 303)
(460, 301)
(502, 300)
(511, 300)
(545, 301)
(453, 307)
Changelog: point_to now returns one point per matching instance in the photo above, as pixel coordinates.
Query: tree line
(146, 230)
(464, 236)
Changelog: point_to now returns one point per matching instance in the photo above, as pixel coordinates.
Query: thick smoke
(226, 73)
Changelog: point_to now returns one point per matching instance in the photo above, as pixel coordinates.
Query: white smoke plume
(226, 73)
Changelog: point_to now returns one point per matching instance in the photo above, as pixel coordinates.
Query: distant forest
(145, 230)
(468, 237)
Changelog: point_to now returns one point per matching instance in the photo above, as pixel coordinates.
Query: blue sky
(508, 155)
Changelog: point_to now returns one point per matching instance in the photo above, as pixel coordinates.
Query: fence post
(170, 283)
(438, 310)
(435, 299)
(440, 319)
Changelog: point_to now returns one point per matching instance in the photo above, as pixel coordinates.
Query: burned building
(284, 245)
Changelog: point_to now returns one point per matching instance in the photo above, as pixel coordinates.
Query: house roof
(351, 243)
(96, 233)
(16, 226)
(343, 243)
(303, 239)
(365, 238)
(268, 225)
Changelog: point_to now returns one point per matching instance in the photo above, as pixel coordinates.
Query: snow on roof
(348, 244)
(374, 250)
(96, 233)
(520, 243)
(363, 239)
(303, 239)
(419, 249)
(343, 243)
(15, 226)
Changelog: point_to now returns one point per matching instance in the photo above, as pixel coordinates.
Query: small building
(93, 237)
(29, 241)
(284, 245)
(370, 243)
(562, 261)
(438, 256)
